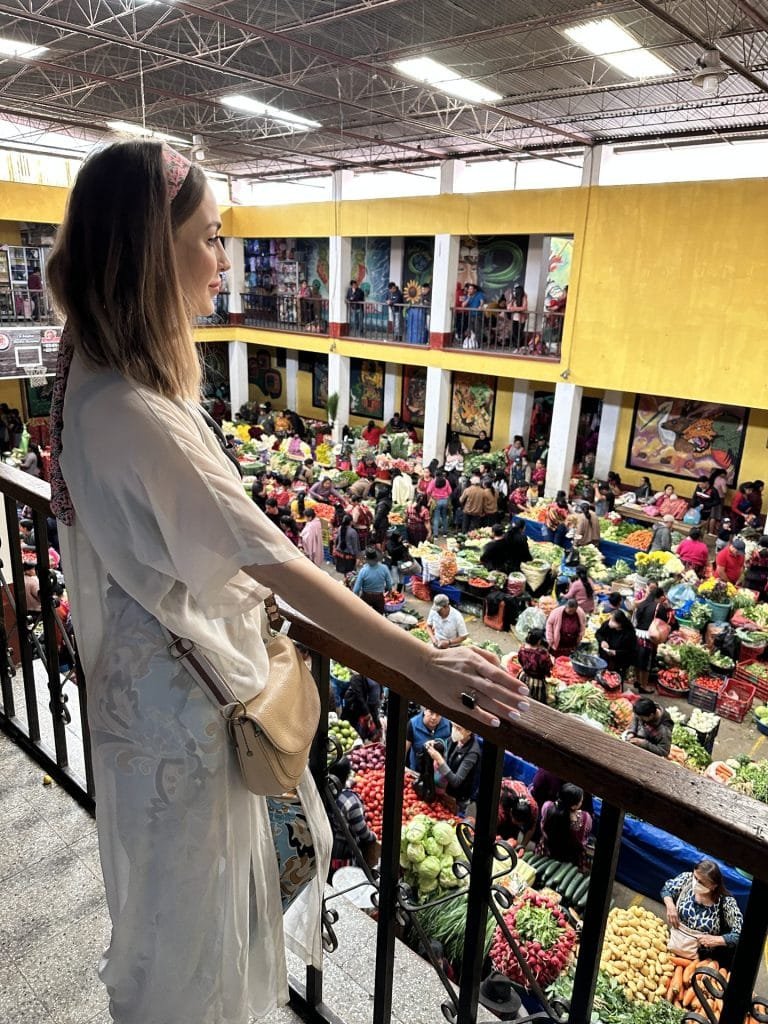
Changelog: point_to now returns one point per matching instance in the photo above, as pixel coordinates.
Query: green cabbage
(447, 879)
(433, 848)
(454, 850)
(428, 885)
(417, 830)
(443, 832)
(446, 861)
(415, 853)
(428, 868)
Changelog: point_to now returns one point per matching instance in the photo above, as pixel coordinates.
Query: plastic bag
(681, 597)
(530, 618)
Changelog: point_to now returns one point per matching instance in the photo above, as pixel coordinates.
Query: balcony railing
(220, 315)
(20, 305)
(285, 313)
(724, 823)
(496, 330)
(401, 323)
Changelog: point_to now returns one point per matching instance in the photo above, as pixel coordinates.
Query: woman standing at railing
(163, 537)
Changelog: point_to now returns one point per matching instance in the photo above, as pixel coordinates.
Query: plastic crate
(744, 674)
(707, 739)
(701, 698)
(453, 594)
(735, 700)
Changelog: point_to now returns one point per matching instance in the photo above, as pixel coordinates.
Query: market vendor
(366, 467)
(536, 664)
(729, 563)
(566, 827)
(362, 519)
(704, 919)
(693, 552)
(651, 727)
(655, 605)
(666, 502)
(518, 812)
(360, 489)
(458, 770)
(446, 625)
(427, 725)
(324, 491)
(555, 521)
(305, 473)
(397, 557)
(508, 549)
(756, 575)
(372, 434)
(565, 628)
(662, 534)
(373, 581)
(483, 443)
(586, 529)
(617, 642)
(418, 521)
(582, 590)
(402, 487)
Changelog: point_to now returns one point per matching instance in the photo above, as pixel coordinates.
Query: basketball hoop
(37, 374)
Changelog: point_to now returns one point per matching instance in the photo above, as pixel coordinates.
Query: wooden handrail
(717, 819)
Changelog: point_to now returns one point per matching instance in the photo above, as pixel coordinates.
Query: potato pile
(635, 954)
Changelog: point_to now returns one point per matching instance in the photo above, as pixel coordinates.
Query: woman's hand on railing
(459, 676)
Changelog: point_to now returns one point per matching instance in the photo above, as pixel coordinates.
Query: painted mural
(366, 388)
(559, 272)
(685, 438)
(418, 260)
(315, 256)
(320, 382)
(414, 396)
(494, 262)
(473, 401)
(370, 266)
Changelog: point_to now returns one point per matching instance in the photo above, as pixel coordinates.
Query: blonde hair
(113, 273)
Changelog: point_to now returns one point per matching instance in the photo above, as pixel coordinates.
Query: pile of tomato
(369, 785)
(711, 683)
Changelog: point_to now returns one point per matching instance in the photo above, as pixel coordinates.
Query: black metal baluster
(50, 647)
(20, 607)
(487, 811)
(6, 675)
(738, 994)
(596, 912)
(397, 710)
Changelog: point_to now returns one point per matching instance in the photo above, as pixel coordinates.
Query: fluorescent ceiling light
(613, 44)
(424, 69)
(146, 133)
(12, 48)
(251, 106)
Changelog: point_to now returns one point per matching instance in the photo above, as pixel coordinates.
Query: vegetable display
(585, 699)
(751, 777)
(694, 660)
(369, 785)
(545, 938)
(370, 756)
(635, 953)
(674, 679)
(344, 732)
(611, 1006)
(428, 851)
(695, 754)
(703, 721)
(681, 992)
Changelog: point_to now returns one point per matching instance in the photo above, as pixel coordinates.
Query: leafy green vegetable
(752, 778)
(536, 924)
(694, 659)
(585, 699)
(694, 752)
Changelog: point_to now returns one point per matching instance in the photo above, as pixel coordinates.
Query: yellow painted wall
(11, 392)
(10, 232)
(42, 204)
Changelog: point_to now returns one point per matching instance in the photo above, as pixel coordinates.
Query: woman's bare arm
(445, 674)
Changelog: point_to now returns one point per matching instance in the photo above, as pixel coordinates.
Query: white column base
(437, 410)
(607, 434)
(562, 438)
(390, 372)
(238, 375)
(521, 411)
(291, 378)
(338, 383)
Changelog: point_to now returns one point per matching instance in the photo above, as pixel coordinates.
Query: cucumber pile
(565, 879)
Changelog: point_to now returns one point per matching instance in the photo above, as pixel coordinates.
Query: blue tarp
(648, 856)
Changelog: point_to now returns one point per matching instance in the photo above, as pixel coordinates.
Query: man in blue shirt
(373, 581)
(427, 725)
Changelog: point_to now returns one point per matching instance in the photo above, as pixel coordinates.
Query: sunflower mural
(412, 292)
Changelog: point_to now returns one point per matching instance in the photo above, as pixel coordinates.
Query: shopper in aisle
(311, 537)
(662, 534)
(472, 502)
(565, 628)
(397, 557)
(518, 813)
(582, 591)
(693, 552)
(445, 624)
(741, 506)
(439, 493)
(586, 529)
(381, 513)
(362, 519)
(289, 527)
(352, 810)
(704, 919)
(536, 663)
(719, 481)
(425, 479)
(655, 605)
(165, 538)
(756, 573)
(402, 487)
(508, 549)
(453, 461)
(361, 707)
(756, 498)
(650, 728)
(556, 517)
(425, 726)
(617, 643)
(458, 771)
(517, 462)
(418, 521)
(346, 547)
(490, 502)
(373, 581)
(729, 563)
(566, 827)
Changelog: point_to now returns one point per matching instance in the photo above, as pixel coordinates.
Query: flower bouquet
(658, 565)
(717, 591)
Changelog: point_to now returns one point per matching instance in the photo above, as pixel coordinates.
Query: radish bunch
(545, 938)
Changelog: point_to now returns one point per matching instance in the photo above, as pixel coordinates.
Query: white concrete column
(233, 247)
(607, 433)
(338, 383)
(562, 438)
(445, 273)
(390, 380)
(521, 410)
(339, 179)
(448, 173)
(437, 410)
(397, 261)
(535, 283)
(291, 378)
(339, 271)
(238, 374)
(590, 169)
